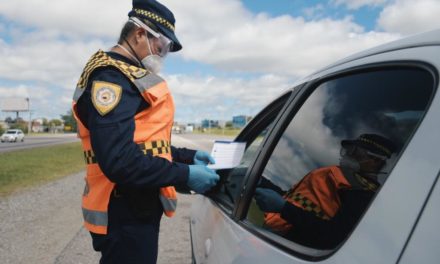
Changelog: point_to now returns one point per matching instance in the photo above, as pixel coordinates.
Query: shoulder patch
(139, 73)
(105, 96)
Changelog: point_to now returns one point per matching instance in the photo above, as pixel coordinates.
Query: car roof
(430, 38)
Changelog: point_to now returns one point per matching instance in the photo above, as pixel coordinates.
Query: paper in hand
(227, 154)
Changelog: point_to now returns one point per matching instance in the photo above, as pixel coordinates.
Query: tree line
(20, 123)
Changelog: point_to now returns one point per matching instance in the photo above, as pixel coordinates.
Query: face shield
(361, 153)
(162, 43)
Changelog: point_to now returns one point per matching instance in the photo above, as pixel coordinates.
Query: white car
(12, 135)
(391, 90)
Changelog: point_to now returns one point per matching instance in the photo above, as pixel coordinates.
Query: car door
(390, 93)
(422, 247)
(212, 239)
(379, 95)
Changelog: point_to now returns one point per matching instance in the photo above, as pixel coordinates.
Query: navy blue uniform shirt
(312, 231)
(111, 136)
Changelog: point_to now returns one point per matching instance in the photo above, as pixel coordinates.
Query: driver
(321, 209)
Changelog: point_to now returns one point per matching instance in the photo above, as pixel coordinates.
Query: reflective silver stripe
(147, 81)
(168, 203)
(95, 217)
(77, 94)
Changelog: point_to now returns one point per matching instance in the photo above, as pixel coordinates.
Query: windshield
(11, 132)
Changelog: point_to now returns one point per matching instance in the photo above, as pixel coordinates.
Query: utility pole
(30, 119)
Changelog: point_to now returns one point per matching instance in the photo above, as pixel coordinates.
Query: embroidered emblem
(139, 73)
(105, 96)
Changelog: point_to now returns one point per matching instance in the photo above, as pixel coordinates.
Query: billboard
(14, 104)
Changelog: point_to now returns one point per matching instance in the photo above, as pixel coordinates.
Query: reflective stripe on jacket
(317, 192)
(152, 134)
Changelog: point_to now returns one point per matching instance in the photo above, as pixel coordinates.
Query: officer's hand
(201, 178)
(203, 158)
(269, 200)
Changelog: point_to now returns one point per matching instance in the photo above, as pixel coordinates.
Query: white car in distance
(12, 135)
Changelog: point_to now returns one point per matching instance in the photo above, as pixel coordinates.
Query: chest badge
(105, 96)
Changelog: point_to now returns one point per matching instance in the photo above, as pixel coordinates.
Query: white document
(227, 154)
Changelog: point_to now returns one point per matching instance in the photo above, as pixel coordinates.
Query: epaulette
(101, 59)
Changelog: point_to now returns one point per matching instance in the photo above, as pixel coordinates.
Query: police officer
(125, 114)
(321, 209)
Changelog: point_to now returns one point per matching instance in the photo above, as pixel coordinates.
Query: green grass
(45, 134)
(219, 131)
(25, 168)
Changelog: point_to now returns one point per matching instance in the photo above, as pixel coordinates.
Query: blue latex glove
(201, 178)
(203, 158)
(269, 200)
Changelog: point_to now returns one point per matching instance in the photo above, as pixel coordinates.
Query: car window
(10, 132)
(337, 152)
(227, 192)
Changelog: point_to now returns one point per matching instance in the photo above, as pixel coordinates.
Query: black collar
(117, 56)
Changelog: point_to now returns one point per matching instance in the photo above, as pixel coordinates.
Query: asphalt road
(44, 224)
(38, 141)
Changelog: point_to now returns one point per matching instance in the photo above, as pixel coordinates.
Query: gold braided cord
(101, 59)
(377, 145)
(155, 17)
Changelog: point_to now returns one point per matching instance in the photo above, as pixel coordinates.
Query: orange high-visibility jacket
(317, 192)
(152, 133)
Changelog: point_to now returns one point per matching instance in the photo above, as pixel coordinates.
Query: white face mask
(152, 62)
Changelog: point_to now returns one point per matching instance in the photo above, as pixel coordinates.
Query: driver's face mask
(350, 163)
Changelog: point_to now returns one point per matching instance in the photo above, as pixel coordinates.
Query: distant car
(392, 90)
(12, 135)
(177, 130)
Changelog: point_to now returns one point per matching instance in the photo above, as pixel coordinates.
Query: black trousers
(129, 239)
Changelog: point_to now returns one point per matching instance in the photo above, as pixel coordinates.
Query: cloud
(51, 61)
(195, 97)
(43, 101)
(356, 4)
(102, 18)
(314, 12)
(48, 43)
(221, 98)
(20, 91)
(247, 42)
(410, 17)
(304, 151)
(244, 42)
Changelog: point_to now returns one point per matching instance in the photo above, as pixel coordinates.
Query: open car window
(367, 116)
(228, 190)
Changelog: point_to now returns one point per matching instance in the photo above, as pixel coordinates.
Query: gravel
(36, 224)
(44, 225)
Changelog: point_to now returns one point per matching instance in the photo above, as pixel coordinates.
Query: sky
(237, 56)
